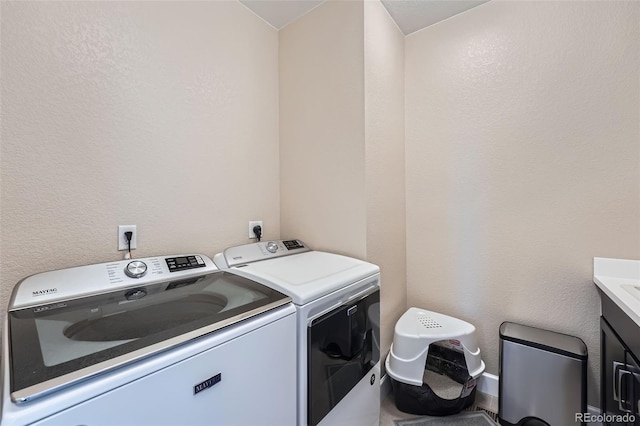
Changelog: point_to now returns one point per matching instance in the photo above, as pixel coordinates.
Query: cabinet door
(613, 360)
(620, 374)
(633, 366)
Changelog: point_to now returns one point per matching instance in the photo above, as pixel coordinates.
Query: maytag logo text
(44, 292)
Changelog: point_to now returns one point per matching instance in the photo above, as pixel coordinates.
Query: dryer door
(342, 348)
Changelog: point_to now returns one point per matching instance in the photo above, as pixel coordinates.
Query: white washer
(157, 341)
(337, 299)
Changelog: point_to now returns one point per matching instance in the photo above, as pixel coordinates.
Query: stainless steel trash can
(543, 377)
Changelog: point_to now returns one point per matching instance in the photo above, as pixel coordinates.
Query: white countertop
(617, 278)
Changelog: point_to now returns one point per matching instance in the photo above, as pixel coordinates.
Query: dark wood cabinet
(620, 378)
(620, 368)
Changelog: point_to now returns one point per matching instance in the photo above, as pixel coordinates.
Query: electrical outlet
(253, 223)
(122, 240)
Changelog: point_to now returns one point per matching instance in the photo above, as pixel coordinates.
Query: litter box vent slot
(428, 322)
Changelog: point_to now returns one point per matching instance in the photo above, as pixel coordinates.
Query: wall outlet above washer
(122, 240)
(253, 223)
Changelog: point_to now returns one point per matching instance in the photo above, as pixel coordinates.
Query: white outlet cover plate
(253, 223)
(122, 240)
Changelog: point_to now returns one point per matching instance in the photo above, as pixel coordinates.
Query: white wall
(385, 171)
(523, 149)
(322, 153)
(342, 140)
(522, 145)
(159, 114)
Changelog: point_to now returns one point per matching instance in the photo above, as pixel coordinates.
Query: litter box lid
(416, 330)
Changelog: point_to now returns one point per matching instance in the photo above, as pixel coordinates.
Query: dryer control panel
(240, 255)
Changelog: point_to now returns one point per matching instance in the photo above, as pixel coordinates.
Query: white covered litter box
(434, 363)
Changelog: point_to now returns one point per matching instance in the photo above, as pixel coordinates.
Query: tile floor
(389, 412)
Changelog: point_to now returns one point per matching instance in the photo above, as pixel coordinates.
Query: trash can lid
(551, 341)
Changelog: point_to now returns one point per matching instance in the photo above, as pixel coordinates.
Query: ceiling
(409, 15)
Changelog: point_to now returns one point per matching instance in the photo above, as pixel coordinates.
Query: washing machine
(337, 299)
(156, 341)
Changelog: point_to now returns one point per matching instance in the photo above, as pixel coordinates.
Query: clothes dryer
(337, 299)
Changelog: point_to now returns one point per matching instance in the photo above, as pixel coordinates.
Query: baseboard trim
(385, 387)
(488, 384)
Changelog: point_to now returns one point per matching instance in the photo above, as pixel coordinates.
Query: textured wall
(322, 153)
(523, 149)
(385, 171)
(159, 114)
(342, 140)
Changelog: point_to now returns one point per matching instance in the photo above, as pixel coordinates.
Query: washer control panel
(184, 262)
(135, 269)
(46, 290)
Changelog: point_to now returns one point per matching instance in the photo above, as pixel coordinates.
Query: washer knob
(272, 247)
(136, 269)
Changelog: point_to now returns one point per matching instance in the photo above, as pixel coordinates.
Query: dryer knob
(272, 247)
(136, 269)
